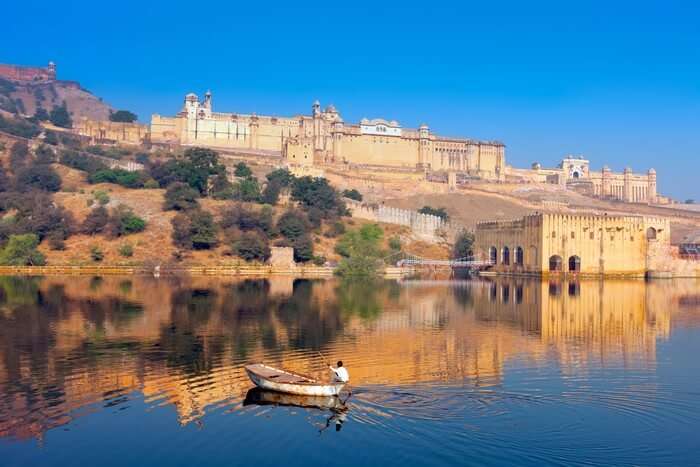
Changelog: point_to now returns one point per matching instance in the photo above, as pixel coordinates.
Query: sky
(616, 81)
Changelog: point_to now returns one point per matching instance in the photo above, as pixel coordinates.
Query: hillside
(25, 97)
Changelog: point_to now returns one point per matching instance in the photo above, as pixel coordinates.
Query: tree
(126, 250)
(41, 115)
(96, 221)
(194, 230)
(271, 193)
(251, 246)
(44, 155)
(198, 165)
(180, 197)
(303, 249)
(352, 194)
(123, 221)
(19, 155)
(439, 212)
(20, 250)
(96, 253)
(122, 116)
(247, 189)
(463, 245)
(60, 117)
(282, 177)
(221, 188)
(247, 219)
(360, 251)
(242, 170)
(316, 192)
(293, 224)
(38, 177)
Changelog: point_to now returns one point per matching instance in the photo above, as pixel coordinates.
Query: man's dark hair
(340, 363)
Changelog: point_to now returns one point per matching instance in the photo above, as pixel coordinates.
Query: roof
(692, 238)
(379, 121)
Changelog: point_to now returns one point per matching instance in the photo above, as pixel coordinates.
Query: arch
(519, 256)
(505, 259)
(651, 233)
(555, 263)
(493, 255)
(574, 263)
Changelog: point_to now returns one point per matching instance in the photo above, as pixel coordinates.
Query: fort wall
(426, 226)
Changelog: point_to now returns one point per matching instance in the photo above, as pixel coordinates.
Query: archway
(651, 233)
(519, 256)
(574, 263)
(555, 263)
(506, 255)
(493, 255)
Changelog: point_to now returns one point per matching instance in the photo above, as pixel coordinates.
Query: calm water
(114, 371)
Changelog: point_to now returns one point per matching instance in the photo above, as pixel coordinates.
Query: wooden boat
(257, 396)
(274, 379)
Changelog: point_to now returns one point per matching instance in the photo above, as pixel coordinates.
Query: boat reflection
(338, 408)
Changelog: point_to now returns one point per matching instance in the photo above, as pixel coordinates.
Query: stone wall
(425, 226)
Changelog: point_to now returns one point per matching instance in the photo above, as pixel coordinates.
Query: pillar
(628, 185)
(651, 187)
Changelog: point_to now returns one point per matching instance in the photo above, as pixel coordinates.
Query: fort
(29, 74)
(547, 244)
(324, 138)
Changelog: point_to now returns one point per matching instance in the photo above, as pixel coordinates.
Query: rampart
(426, 226)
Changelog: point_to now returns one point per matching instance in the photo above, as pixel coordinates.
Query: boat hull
(299, 389)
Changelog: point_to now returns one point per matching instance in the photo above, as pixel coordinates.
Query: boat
(275, 379)
(257, 396)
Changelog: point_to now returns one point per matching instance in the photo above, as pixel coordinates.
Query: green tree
(247, 189)
(293, 224)
(242, 170)
(194, 230)
(122, 116)
(60, 117)
(271, 193)
(463, 245)
(96, 221)
(180, 197)
(316, 192)
(439, 212)
(96, 253)
(126, 250)
(303, 249)
(252, 247)
(361, 251)
(19, 155)
(38, 177)
(352, 194)
(20, 250)
(41, 115)
(282, 177)
(221, 188)
(123, 221)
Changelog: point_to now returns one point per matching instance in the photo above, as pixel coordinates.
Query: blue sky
(618, 82)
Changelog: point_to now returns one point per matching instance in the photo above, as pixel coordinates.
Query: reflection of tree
(16, 291)
(359, 297)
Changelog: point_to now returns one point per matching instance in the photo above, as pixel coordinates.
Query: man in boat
(340, 374)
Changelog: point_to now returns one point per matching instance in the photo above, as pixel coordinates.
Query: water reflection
(71, 343)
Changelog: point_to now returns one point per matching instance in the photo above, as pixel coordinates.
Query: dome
(191, 97)
(331, 109)
(423, 126)
(652, 171)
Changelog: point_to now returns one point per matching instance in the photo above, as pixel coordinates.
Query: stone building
(575, 173)
(105, 132)
(323, 137)
(28, 74)
(575, 244)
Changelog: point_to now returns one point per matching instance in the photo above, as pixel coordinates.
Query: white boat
(275, 379)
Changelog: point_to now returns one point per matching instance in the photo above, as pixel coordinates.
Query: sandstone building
(323, 137)
(576, 244)
(575, 173)
(107, 132)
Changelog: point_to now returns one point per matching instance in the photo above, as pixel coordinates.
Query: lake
(142, 371)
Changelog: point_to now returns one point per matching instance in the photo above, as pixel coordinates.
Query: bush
(281, 177)
(316, 192)
(20, 250)
(395, 243)
(126, 250)
(463, 245)
(19, 127)
(96, 253)
(221, 188)
(360, 251)
(293, 224)
(337, 228)
(319, 260)
(101, 197)
(39, 177)
(251, 246)
(303, 249)
(151, 184)
(19, 155)
(247, 189)
(122, 116)
(74, 159)
(119, 176)
(60, 117)
(44, 155)
(246, 219)
(352, 194)
(242, 170)
(271, 193)
(41, 115)
(180, 197)
(50, 138)
(194, 230)
(439, 212)
(56, 241)
(96, 221)
(123, 221)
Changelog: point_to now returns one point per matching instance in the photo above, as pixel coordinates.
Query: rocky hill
(24, 98)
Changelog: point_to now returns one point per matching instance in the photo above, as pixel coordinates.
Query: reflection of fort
(67, 344)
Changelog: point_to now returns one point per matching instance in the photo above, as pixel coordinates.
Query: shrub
(352, 194)
(242, 170)
(247, 189)
(247, 219)
(123, 221)
(19, 155)
(360, 251)
(44, 155)
(319, 260)
(463, 245)
(336, 228)
(316, 192)
(74, 159)
(281, 177)
(439, 212)
(96, 221)
(56, 241)
(293, 224)
(59, 116)
(180, 196)
(101, 197)
(194, 230)
(221, 188)
(119, 176)
(303, 249)
(122, 116)
(20, 250)
(151, 184)
(96, 253)
(251, 246)
(39, 177)
(395, 243)
(50, 138)
(126, 250)
(19, 127)
(271, 193)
